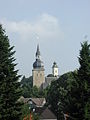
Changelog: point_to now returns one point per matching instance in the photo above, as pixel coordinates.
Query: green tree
(9, 85)
(26, 86)
(80, 90)
(78, 105)
(70, 93)
(25, 111)
(28, 90)
(84, 81)
(58, 95)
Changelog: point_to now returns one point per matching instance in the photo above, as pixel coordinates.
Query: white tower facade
(55, 69)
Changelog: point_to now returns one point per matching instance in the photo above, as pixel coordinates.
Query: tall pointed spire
(38, 63)
(38, 52)
(38, 71)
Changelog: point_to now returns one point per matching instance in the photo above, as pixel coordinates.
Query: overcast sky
(59, 26)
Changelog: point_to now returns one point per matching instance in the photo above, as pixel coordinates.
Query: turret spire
(55, 69)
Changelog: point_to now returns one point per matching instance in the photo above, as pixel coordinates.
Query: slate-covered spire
(54, 65)
(38, 63)
(38, 52)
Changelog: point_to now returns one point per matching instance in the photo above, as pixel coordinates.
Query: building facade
(39, 79)
(55, 69)
(38, 71)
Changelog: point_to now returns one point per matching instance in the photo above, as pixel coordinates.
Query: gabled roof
(24, 100)
(47, 114)
(38, 101)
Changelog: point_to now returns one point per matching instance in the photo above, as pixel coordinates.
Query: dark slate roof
(38, 51)
(38, 64)
(47, 114)
(54, 65)
(50, 75)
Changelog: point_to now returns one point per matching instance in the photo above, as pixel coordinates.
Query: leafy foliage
(26, 113)
(9, 86)
(70, 93)
(57, 94)
(26, 85)
(84, 81)
(28, 90)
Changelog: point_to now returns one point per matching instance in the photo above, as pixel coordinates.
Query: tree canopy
(70, 93)
(9, 86)
(28, 90)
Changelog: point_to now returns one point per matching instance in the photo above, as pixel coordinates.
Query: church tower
(38, 71)
(55, 69)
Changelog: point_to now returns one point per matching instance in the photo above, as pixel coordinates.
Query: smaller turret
(55, 69)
